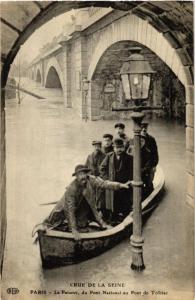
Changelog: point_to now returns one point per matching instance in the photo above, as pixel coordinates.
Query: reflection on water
(45, 141)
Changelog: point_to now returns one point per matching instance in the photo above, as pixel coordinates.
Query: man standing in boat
(107, 143)
(118, 166)
(150, 144)
(120, 133)
(93, 162)
(76, 205)
(95, 158)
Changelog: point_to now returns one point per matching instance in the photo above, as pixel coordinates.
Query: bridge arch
(142, 32)
(53, 75)
(106, 86)
(133, 28)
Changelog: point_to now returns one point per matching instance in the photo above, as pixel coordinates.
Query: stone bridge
(95, 52)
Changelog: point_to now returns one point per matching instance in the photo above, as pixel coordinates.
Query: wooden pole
(137, 239)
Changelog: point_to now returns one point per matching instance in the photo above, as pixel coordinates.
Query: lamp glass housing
(139, 86)
(136, 76)
(136, 86)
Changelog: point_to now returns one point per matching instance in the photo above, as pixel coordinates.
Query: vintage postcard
(97, 150)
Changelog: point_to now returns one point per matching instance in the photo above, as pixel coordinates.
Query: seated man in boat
(76, 205)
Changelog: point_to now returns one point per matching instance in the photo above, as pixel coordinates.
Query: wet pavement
(45, 141)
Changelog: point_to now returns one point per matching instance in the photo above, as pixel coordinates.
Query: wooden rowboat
(59, 248)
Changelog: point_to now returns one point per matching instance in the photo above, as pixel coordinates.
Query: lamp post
(136, 77)
(85, 88)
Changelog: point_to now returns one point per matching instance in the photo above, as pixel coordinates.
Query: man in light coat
(95, 158)
(93, 162)
(76, 205)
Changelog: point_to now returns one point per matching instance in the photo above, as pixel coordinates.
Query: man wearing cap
(146, 166)
(150, 144)
(95, 158)
(107, 143)
(120, 133)
(93, 162)
(76, 206)
(118, 166)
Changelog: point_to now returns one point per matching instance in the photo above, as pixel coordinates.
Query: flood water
(44, 142)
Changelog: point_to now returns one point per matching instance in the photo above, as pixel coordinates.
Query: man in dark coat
(147, 163)
(107, 143)
(120, 133)
(93, 162)
(76, 205)
(118, 166)
(150, 144)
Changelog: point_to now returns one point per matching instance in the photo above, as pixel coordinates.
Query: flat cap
(81, 168)
(123, 136)
(118, 142)
(108, 135)
(120, 125)
(144, 123)
(96, 143)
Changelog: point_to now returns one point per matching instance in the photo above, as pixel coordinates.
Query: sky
(43, 35)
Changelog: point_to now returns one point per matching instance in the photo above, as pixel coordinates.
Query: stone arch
(54, 65)
(140, 31)
(144, 33)
(38, 76)
(107, 72)
(52, 79)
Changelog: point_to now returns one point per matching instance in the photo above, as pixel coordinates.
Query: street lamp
(85, 88)
(136, 77)
(136, 74)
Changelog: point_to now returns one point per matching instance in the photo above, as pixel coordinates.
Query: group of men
(102, 189)
(113, 160)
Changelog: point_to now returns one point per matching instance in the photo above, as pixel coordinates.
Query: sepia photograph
(97, 150)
